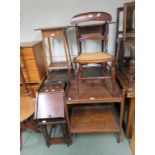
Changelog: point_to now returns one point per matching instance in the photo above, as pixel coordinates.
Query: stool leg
(113, 77)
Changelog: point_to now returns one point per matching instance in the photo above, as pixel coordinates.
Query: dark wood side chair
(99, 32)
(27, 104)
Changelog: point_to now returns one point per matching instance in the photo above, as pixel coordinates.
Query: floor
(83, 144)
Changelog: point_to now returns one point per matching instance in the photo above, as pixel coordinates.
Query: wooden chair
(93, 32)
(27, 104)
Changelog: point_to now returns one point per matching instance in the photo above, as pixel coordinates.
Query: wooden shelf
(58, 65)
(93, 119)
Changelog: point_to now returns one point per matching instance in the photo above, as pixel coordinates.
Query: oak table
(92, 108)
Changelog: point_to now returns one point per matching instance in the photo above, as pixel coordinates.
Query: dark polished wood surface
(50, 101)
(91, 91)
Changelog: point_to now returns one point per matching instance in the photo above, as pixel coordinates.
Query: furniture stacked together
(79, 97)
(125, 42)
(99, 110)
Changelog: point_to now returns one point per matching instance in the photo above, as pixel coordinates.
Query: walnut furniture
(49, 111)
(93, 110)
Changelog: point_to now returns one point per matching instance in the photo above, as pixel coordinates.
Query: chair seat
(27, 104)
(97, 57)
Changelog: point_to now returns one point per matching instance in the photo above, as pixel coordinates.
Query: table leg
(130, 118)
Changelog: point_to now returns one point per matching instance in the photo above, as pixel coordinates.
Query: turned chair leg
(77, 76)
(113, 78)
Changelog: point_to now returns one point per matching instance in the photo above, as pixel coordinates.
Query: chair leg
(77, 76)
(113, 77)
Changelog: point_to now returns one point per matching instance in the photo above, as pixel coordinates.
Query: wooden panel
(32, 76)
(39, 57)
(94, 119)
(27, 53)
(50, 105)
(28, 65)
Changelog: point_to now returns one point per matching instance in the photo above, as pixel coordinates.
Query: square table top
(93, 91)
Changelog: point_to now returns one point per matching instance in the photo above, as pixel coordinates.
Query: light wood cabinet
(31, 61)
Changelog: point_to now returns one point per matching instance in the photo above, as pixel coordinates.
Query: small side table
(92, 109)
(48, 35)
(49, 111)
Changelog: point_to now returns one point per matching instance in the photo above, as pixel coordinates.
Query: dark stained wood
(56, 140)
(91, 16)
(126, 65)
(89, 119)
(99, 91)
(128, 19)
(50, 110)
(50, 101)
(93, 119)
(92, 32)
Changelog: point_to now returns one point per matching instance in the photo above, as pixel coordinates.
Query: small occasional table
(92, 108)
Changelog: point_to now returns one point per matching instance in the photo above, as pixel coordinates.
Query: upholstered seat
(96, 57)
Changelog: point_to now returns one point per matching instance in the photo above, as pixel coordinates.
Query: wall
(48, 13)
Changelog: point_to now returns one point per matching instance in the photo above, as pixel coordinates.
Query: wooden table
(89, 115)
(49, 34)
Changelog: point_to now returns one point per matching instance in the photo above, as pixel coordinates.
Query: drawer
(28, 65)
(27, 53)
(31, 76)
